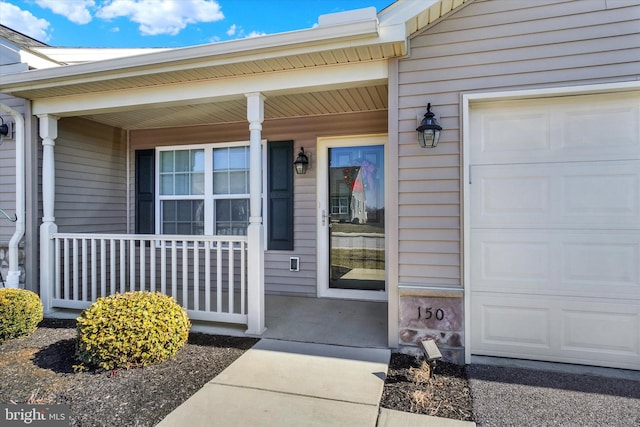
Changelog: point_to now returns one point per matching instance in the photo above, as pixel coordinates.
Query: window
(203, 190)
(231, 190)
(340, 205)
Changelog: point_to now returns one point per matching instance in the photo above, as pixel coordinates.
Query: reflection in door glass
(356, 205)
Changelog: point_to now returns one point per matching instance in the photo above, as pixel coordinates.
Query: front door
(351, 223)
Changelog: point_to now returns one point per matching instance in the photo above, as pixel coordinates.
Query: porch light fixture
(429, 130)
(4, 129)
(431, 353)
(302, 163)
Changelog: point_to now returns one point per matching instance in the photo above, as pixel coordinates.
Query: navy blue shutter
(280, 195)
(145, 191)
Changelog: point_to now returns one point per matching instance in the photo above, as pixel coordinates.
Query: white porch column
(255, 233)
(48, 133)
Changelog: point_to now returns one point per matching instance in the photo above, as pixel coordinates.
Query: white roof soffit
(414, 15)
(333, 33)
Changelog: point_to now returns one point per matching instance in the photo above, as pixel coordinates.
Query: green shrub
(131, 329)
(20, 313)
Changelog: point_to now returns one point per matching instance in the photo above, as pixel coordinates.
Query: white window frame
(208, 196)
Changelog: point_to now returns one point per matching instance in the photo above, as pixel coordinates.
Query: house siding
(304, 132)
(485, 46)
(90, 161)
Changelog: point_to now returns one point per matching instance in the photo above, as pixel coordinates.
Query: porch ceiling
(372, 97)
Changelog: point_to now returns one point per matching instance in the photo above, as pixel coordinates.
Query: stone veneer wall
(4, 262)
(436, 314)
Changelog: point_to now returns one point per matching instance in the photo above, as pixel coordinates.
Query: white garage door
(555, 229)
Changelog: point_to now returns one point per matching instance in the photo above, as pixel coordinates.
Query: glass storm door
(354, 220)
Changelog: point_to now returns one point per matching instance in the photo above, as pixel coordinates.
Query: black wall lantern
(4, 129)
(302, 163)
(429, 130)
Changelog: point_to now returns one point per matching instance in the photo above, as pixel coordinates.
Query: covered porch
(95, 118)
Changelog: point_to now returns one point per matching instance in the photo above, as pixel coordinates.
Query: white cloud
(24, 22)
(162, 17)
(256, 34)
(76, 11)
(239, 32)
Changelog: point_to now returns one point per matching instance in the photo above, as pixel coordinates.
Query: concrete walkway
(283, 383)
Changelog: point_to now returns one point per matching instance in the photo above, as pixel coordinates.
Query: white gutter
(13, 276)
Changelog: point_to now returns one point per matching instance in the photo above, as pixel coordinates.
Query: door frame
(322, 196)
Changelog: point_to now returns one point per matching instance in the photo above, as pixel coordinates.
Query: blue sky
(164, 23)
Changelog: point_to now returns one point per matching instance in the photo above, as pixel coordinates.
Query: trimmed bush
(20, 313)
(131, 329)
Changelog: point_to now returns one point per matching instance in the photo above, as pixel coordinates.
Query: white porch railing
(205, 274)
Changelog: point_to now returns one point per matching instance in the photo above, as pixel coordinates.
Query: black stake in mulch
(431, 354)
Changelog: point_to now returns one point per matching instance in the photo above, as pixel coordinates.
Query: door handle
(324, 217)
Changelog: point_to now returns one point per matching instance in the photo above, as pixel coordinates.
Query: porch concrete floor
(327, 321)
(314, 320)
(317, 320)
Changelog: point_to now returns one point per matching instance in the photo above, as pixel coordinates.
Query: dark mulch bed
(408, 388)
(39, 370)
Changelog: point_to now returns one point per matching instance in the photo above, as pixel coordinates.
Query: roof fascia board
(68, 55)
(183, 58)
(291, 81)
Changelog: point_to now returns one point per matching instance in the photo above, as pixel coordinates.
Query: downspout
(13, 276)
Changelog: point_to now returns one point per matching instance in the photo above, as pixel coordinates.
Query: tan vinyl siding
(90, 177)
(490, 46)
(304, 132)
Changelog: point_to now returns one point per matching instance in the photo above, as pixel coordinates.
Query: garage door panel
(602, 261)
(583, 130)
(525, 197)
(505, 324)
(563, 130)
(589, 328)
(557, 262)
(596, 192)
(557, 329)
(502, 258)
(522, 132)
(569, 195)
